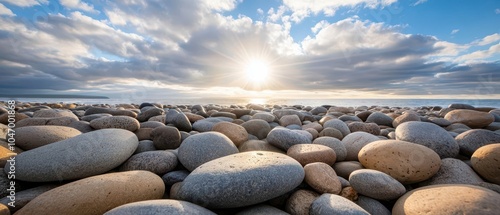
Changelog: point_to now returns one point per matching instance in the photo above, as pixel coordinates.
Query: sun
(257, 71)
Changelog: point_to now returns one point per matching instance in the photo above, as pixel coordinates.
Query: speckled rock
(258, 145)
(310, 153)
(283, 112)
(339, 125)
(158, 162)
(234, 132)
(229, 181)
(322, 178)
(453, 171)
(262, 210)
(355, 141)
(372, 206)
(471, 118)
(31, 137)
(429, 135)
(380, 119)
(91, 117)
(182, 122)
(173, 177)
(166, 137)
(97, 194)
(406, 162)
(61, 121)
(145, 146)
(472, 140)
(371, 128)
(53, 113)
(406, 117)
(290, 120)
(201, 148)
(448, 199)
(300, 202)
(151, 112)
(335, 144)
(257, 127)
(25, 196)
(376, 184)
(163, 206)
(82, 156)
(285, 138)
(485, 161)
(268, 117)
(205, 125)
(333, 204)
(331, 132)
(123, 122)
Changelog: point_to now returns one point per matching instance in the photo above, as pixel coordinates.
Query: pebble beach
(150, 158)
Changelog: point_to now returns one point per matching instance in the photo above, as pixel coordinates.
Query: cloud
(487, 40)
(497, 11)
(454, 31)
(479, 56)
(26, 3)
(419, 2)
(78, 5)
(5, 11)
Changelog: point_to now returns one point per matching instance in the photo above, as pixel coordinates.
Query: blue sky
(302, 49)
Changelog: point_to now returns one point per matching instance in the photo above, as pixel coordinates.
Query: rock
(472, 140)
(290, 120)
(372, 206)
(123, 122)
(333, 204)
(97, 194)
(331, 132)
(322, 178)
(355, 141)
(371, 128)
(314, 125)
(31, 137)
(173, 177)
(268, 117)
(448, 199)
(241, 112)
(380, 119)
(440, 121)
(112, 111)
(406, 162)
(223, 114)
(143, 133)
(262, 210)
(429, 135)
(471, 118)
(181, 122)
(453, 171)
(406, 117)
(283, 112)
(347, 118)
(285, 138)
(345, 168)
(300, 202)
(159, 162)
(376, 184)
(461, 106)
(82, 126)
(234, 132)
(229, 181)
(349, 193)
(82, 156)
(25, 196)
(205, 125)
(163, 206)
(151, 112)
(310, 153)
(91, 117)
(166, 137)
(335, 144)
(201, 148)
(52, 113)
(339, 125)
(258, 145)
(485, 161)
(145, 146)
(62, 121)
(18, 116)
(257, 127)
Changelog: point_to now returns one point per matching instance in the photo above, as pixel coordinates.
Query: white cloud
(454, 31)
(320, 25)
(25, 3)
(5, 11)
(479, 56)
(220, 5)
(78, 5)
(487, 40)
(497, 11)
(419, 2)
(260, 11)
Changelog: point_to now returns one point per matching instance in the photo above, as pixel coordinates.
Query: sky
(133, 49)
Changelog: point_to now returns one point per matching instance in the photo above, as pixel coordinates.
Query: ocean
(306, 102)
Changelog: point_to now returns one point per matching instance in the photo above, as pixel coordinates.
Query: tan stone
(406, 162)
(123, 122)
(349, 193)
(97, 194)
(143, 133)
(236, 133)
(322, 178)
(300, 202)
(471, 118)
(310, 153)
(486, 162)
(448, 199)
(18, 116)
(31, 137)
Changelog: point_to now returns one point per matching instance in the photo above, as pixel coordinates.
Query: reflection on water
(259, 101)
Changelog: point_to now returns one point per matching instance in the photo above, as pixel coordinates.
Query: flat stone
(310, 153)
(300, 202)
(376, 184)
(345, 168)
(440, 121)
(234, 132)
(112, 111)
(371, 128)
(372, 206)
(31, 137)
(173, 177)
(147, 114)
(448, 199)
(354, 142)
(53, 113)
(285, 138)
(223, 114)
(145, 146)
(163, 206)
(331, 132)
(257, 127)
(290, 120)
(283, 112)
(404, 161)
(453, 171)
(230, 181)
(429, 135)
(205, 125)
(97, 194)
(268, 117)
(380, 119)
(82, 156)
(339, 125)
(471, 118)
(258, 145)
(322, 178)
(472, 140)
(485, 161)
(333, 204)
(151, 124)
(262, 210)
(335, 144)
(406, 117)
(123, 122)
(91, 117)
(347, 118)
(159, 162)
(200, 148)
(166, 137)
